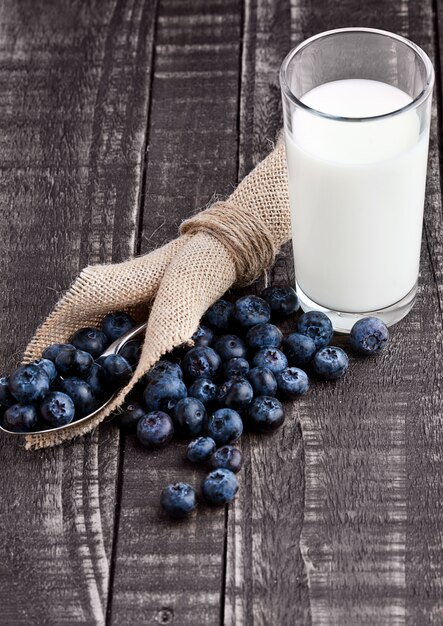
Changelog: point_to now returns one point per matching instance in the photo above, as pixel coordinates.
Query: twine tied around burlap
(230, 243)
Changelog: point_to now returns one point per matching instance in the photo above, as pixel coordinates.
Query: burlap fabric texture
(231, 242)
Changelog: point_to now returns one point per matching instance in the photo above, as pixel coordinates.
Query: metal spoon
(114, 348)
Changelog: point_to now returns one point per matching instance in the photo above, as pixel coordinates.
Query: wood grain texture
(339, 518)
(372, 449)
(265, 576)
(173, 572)
(74, 80)
(371, 533)
(424, 438)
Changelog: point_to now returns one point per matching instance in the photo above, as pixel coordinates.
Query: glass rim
(421, 97)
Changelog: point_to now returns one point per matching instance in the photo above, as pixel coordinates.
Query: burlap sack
(230, 243)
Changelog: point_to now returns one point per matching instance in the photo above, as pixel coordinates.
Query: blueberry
(251, 310)
(131, 352)
(114, 325)
(201, 449)
(262, 381)
(230, 346)
(331, 362)
(189, 416)
(96, 379)
(225, 426)
(219, 315)
(117, 370)
(264, 336)
(201, 362)
(228, 457)
(155, 430)
(272, 358)
(235, 393)
(51, 352)
(266, 414)
(292, 382)
(176, 355)
(316, 325)
(178, 500)
(49, 367)
(132, 413)
(100, 360)
(203, 336)
(20, 418)
(6, 397)
(162, 368)
(73, 362)
(80, 393)
(220, 486)
(299, 349)
(204, 390)
(163, 394)
(236, 367)
(57, 409)
(83, 363)
(369, 336)
(29, 383)
(282, 300)
(90, 340)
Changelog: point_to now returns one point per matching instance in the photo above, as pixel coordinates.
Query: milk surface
(356, 191)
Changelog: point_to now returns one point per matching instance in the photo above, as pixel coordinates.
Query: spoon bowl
(114, 348)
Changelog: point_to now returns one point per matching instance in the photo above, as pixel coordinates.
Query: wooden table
(118, 119)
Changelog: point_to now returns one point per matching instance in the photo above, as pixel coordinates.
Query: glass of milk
(357, 108)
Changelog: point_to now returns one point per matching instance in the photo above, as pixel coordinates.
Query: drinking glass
(357, 158)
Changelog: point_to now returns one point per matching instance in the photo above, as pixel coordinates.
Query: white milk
(356, 192)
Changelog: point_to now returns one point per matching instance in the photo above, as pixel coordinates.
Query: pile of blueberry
(71, 380)
(236, 375)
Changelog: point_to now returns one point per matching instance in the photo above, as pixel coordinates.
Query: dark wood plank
(366, 477)
(167, 572)
(74, 82)
(424, 439)
(371, 540)
(265, 575)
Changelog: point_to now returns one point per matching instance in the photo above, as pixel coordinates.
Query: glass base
(343, 322)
